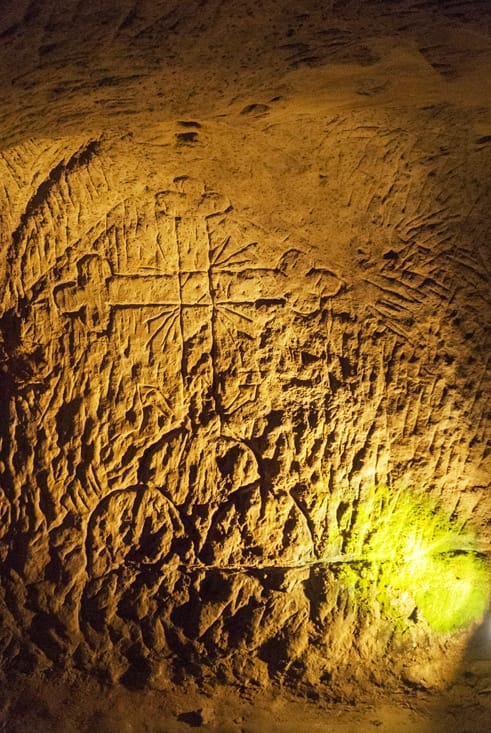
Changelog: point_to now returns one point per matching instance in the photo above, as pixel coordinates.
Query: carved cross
(209, 284)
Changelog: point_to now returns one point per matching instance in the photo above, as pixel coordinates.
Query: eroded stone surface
(218, 328)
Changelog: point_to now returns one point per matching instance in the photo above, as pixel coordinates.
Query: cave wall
(245, 267)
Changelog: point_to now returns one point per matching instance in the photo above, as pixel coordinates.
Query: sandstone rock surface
(245, 267)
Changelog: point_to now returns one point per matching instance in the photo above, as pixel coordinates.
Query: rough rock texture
(245, 266)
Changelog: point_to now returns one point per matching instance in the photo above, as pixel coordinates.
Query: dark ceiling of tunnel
(72, 65)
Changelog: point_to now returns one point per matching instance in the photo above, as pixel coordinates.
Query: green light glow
(409, 554)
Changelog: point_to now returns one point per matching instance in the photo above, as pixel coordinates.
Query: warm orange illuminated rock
(245, 274)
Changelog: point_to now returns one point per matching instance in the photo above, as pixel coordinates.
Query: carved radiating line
(168, 319)
(158, 240)
(172, 308)
(230, 320)
(227, 260)
(227, 310)
(218, 251)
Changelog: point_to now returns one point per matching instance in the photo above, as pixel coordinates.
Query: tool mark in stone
(221, 283)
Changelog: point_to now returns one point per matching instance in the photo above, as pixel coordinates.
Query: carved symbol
(137, 525)
(98, 290)
(208, 284)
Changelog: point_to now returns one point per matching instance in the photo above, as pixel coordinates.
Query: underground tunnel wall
(238, 294)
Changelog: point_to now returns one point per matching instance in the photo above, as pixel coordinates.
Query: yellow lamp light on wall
(416, 550)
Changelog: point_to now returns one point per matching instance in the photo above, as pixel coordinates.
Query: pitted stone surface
(222, 321)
